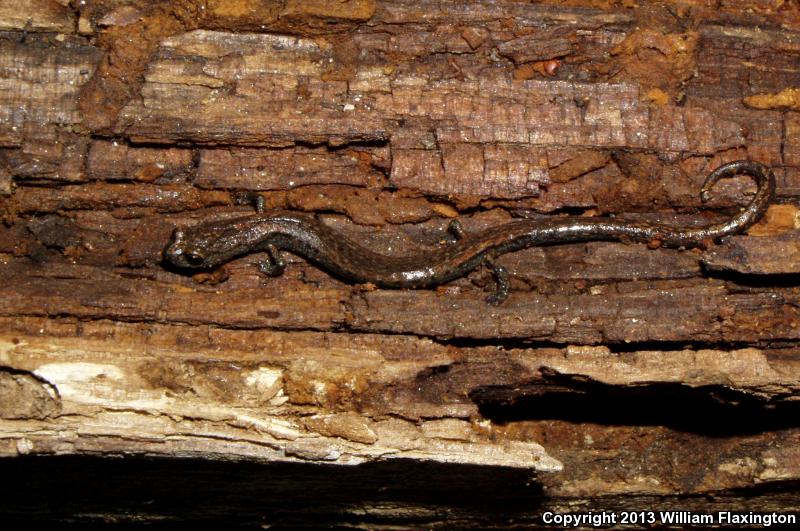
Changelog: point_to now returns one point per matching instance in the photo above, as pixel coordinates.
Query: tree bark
(616, 376)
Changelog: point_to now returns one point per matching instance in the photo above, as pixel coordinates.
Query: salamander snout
(177, 253)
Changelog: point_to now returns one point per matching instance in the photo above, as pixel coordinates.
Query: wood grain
(615, 376)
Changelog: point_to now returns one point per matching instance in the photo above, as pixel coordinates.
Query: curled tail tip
(762, 174)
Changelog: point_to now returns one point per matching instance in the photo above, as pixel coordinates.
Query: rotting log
(614, 377)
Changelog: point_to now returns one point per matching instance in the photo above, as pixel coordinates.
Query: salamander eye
(194, 258)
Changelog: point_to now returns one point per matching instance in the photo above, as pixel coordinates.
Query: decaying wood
(615, 376)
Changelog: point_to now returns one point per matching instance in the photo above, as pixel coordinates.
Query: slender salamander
(212, 243)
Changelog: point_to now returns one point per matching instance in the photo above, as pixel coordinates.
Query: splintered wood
(612, 369)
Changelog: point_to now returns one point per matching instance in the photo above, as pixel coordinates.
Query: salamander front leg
(253, 199)
(259, 204)
(274, 265)
(456, 229)
(503, 285)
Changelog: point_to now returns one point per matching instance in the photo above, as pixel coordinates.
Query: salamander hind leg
(274, 265)
(503, 284)
(500, 273)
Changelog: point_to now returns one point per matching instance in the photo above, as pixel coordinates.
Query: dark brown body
(210, 244)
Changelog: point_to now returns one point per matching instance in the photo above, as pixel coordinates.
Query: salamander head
(183, 253)
(207, 245)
